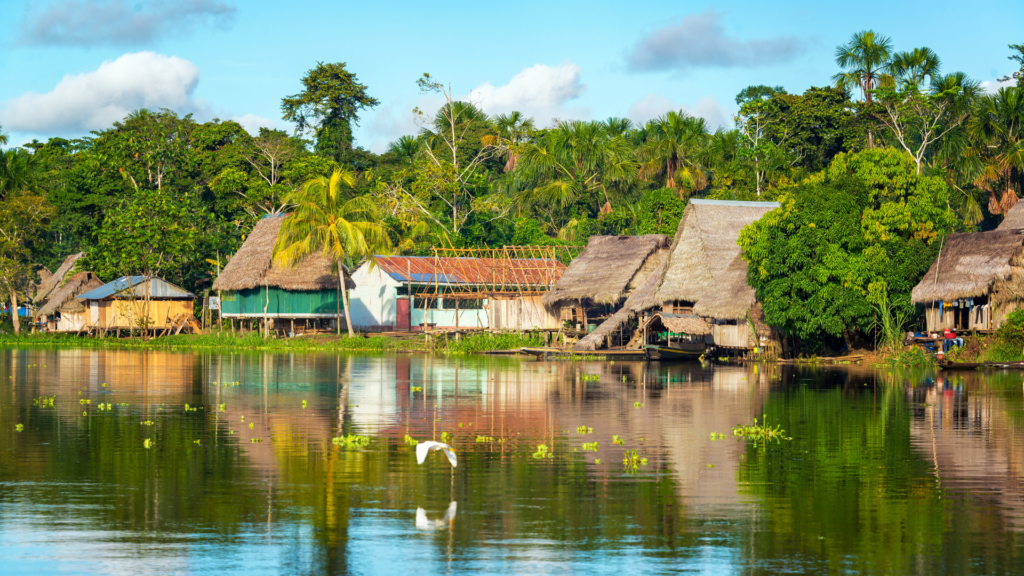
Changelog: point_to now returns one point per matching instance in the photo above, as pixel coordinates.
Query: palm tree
(618, 126)
(997, 128)
(405, 148)
(3, 136)
(674, 142)
(866, 60)
(574, 161)
(326, 218)
(19, 170)
(513, 130)
(911, 68)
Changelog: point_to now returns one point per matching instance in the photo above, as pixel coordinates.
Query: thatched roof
(63, 298)
(682, 323)
(51, 283)
(605, 269)
(705, 244)
(969, 264)
(730, 297)
(1014, 218)
(252, 266)
(639, 300)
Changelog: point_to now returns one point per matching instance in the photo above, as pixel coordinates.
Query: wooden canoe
(565, 352)
(664, 353)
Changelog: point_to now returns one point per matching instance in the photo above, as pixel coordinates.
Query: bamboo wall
(522, 313)
(125, 314)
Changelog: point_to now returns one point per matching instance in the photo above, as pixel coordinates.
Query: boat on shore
(666, 353)
(568, 352)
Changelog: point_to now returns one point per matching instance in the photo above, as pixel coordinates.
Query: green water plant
(44, 401)
(638, 404)
(446, 437)
(589, 446)
(351, 441)
(617, 440)
(597, 460)
(717, 436)
(631, 461)
(19, 427)
(760, 432)
(483, 439)
(148, 443)
(584, 430)
(542, 452)
(590, 377)
(410, 440)
(416, 388)
(303, 403)
(147, 423)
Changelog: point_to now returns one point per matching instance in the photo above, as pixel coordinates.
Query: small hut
(619, 324)
(131, 302)
(976, 280)
(253, 286)
(63, 310)
(737, 320)
(608, 270)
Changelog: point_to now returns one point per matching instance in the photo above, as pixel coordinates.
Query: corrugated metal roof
(486, 271)
(747, 203)
(157, 289)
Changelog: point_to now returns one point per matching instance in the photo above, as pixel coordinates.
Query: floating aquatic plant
(446, 438)
(84, 401)
(19, 427)
(590, 377)
(590, 446)
(638, 404)
(584, 430)
(303, 403)
(542, 452)
(44, 401)
(760, 432)
(196, 442)
(222, 407)
(710, 465)
(256, 440)
(351, 441)
(717, 436)
(410, 440)
(147, 423)
(617, 440)
(416, 388)
(484, 439)
(631, 461)
(597, 460)
(251, 424)
(148, 443)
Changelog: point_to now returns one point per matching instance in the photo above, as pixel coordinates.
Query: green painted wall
(282, 302)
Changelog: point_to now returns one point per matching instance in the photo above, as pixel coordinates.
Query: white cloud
(118, 22)
(699, 40)
(395, 119)
(252, 123)
(654, 105)
(993, 86)
(95, 100)
(539, 91)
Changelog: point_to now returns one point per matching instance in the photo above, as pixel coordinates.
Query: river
(184, 463)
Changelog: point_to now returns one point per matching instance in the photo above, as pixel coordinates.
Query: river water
(885, 472)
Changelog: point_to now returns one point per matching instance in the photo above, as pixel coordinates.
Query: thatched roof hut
(974, 265)
(639, 300)
(253, 266)
(705, 245)
(730, 298)
(64, 298)
(55, 280)
(1014, 218)
(607, 269)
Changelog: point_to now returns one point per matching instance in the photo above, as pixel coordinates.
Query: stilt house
(609, 270)
(63, 311)
(122, 304)
(976, 280)
(253, 286)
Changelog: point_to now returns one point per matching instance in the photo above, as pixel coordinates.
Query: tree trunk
(145, 310)
(344, 300)
(14, 313)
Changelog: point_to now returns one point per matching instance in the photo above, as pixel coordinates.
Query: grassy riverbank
(438, 343)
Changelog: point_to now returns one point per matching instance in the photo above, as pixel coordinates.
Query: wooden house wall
(523, 313)
(125, 314)
(731, 335)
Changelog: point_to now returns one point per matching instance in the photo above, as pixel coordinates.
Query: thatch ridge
(63, 298)
(705, 244)
(51, 283)
(252, 266)
(684, 323)
(969, 264)
(1014, 218)
(730, 297)
(603, 272)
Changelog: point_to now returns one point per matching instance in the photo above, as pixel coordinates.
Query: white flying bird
(423, 523)
(423, 447)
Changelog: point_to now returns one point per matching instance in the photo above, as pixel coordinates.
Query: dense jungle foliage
(872, 168)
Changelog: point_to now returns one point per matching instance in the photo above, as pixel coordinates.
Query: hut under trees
(63, 311)
(51, 282)
(253, 286)
(975, 282)
(138, 302)
(610, 269)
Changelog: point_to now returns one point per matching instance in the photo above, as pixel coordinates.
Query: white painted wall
(373, 302)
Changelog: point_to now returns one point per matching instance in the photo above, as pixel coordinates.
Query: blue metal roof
(442, 278)
(134, 285)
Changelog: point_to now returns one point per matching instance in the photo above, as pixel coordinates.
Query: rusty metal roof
(501, 274)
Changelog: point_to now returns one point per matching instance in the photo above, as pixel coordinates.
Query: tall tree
(329, 104)
(3, 136)
(23, 214)
(866, 60)
(674, 144)
(1019, 59)
(912, 68)
(997, 126)
(328, 218)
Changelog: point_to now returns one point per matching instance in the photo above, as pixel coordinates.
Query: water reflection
(886, 472)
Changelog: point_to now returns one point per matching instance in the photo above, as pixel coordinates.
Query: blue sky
(70, 66)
